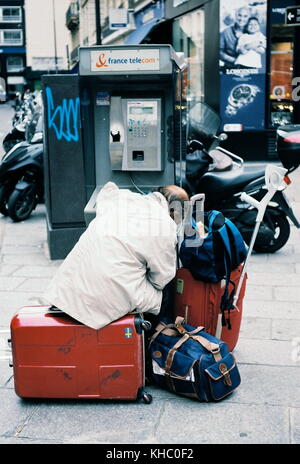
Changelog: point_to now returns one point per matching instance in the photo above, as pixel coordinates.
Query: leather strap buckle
(224, 370)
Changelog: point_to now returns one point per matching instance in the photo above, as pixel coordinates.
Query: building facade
(253, 92)
(46, 39)
(256, 92)
(12, 46)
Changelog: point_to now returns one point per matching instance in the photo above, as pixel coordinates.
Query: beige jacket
(121, 263)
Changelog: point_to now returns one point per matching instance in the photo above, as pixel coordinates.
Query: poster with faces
(243, 40)
(242, 63)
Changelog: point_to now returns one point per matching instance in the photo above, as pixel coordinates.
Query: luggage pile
(55, 356)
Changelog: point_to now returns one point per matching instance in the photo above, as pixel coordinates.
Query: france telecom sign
(292, 16)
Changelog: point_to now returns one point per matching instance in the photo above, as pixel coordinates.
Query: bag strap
(239, 241)
(211, 216)
(173, 329)
(213, 348)
(226, 301)
(178, 324)
(168, 329)
(171, 354)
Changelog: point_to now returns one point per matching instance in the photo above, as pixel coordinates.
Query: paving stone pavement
(265, 408)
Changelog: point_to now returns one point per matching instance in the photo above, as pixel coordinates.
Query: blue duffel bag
(190, 362)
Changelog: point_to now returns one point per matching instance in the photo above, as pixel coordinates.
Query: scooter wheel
(3, 201)
(282, 230)
(21, 203)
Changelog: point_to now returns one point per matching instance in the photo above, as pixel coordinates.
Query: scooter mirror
(222, 137)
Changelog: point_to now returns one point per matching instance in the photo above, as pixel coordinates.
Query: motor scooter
(14, 136)
(24, 110)
(22, 177)
(223, 187)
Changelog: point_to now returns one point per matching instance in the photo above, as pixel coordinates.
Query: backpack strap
(226, 301)
(240, 249)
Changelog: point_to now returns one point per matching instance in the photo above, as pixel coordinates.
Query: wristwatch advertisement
(242, 102)
(241, 95)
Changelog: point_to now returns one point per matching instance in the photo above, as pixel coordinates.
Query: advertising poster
(242, 102)
(243, 45)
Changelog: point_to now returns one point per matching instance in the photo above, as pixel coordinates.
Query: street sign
(292, 16)
(118, 18)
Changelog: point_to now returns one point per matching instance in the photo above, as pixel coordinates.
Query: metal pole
(54, 33)
(68, 56)
(98, 23)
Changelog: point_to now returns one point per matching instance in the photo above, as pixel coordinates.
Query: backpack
(213, 259)
(191, 362)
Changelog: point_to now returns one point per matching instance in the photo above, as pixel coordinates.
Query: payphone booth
(132, 104)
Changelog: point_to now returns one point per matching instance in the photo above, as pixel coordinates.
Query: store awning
(12, 50)
(137, 36)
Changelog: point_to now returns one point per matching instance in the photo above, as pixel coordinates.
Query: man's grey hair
(176, 198)
(241, 8)
(170, 195)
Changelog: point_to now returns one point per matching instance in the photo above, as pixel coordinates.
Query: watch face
(241, 92)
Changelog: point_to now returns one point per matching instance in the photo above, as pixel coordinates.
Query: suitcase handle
(141, 324)
(146, 325)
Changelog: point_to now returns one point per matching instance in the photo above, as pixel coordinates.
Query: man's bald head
(175, 196)
(174, 192)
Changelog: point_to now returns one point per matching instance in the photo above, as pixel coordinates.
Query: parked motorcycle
(24, 109)
(222, 177)
(22, 177)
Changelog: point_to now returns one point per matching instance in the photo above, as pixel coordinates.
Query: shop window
(281, 76)
(188, 37)
(14, 64)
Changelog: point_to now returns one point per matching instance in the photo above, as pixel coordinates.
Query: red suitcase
(55, 356)
(199, 303)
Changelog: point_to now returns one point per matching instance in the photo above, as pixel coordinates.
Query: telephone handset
(135, 135)
(116, 137)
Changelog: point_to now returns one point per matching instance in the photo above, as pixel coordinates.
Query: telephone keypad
(137, 129)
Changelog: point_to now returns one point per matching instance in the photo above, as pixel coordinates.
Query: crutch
(273, 179)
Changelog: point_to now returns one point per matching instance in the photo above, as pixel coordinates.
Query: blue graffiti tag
(68, 117)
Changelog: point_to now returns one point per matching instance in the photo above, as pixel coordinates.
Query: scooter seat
(229, 181)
